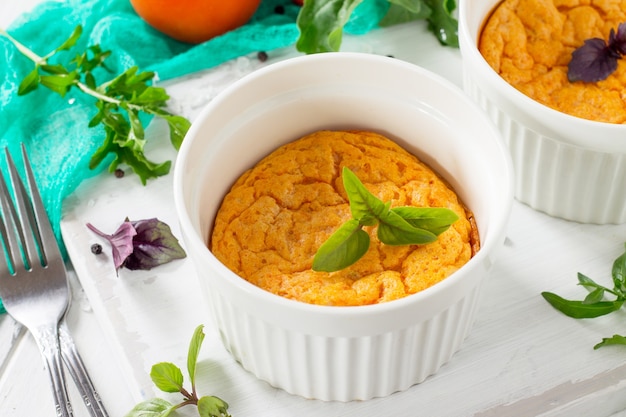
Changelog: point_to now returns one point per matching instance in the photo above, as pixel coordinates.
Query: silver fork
(34, 287)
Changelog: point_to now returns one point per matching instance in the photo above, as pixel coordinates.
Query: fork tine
(28, 232)
(35, 211)
(9, 230)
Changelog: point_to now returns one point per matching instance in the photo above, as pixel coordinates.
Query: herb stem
(85, 89)
(23, 49)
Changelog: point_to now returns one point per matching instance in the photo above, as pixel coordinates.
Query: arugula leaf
(403, 11)
(441, 22)
(120, 104)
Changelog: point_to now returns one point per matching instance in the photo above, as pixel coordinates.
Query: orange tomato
(195, 21)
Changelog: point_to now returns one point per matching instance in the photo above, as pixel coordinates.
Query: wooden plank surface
(521, 358)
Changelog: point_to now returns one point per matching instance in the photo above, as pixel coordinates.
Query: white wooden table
(521, 359)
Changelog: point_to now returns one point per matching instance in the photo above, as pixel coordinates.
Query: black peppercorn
(119, 173)
(96, 249)
(262, 56)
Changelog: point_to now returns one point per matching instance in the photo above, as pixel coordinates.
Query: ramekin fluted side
(343, 368)
(557, 178)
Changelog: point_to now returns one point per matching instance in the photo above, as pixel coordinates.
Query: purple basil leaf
(154, 245)
(617, 42)
(594, 61)
(121, 242)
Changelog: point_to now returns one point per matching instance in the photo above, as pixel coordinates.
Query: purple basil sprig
(142, 244)
(595, 59)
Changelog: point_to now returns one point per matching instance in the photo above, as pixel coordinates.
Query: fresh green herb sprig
(321, 22)
(595, 304)
(396, 226)
(169, 378)
(119, 103)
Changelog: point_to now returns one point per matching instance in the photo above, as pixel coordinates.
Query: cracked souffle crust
(279, 213)
(530, 43)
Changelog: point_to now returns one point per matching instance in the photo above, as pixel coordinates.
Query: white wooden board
(522, 358)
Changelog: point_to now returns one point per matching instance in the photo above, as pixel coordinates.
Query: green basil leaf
(167, 377)
(71, 41)
(434, 219)
(403, 11)
(619, 273)
(442, 23)
(29, 83)
(344, 247)
(580, 310)
(194, 350)
(211, 406)
(321, 24)
(156, 407)
(394, 230)
(587, 282)
(178, 129)
(594, 296)
(365, 207)
(614, 340)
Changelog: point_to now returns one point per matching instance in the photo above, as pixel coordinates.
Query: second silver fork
(30, 237)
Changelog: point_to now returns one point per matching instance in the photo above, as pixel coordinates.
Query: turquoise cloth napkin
(55, 129)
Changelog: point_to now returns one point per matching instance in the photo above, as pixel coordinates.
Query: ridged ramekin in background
(565, 166)
(342, 353)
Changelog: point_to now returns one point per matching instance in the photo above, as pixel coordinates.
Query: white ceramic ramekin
(342, 353)
(565, 166)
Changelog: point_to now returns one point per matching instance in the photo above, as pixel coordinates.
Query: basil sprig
(321, 22)
(594, 304)
(396, 226)
(169, 378)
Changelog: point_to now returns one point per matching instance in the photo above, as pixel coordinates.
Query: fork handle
(47, 339)
(78, 371)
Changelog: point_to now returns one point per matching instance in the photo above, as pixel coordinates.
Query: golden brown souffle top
(279, 213)
(530, 42)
